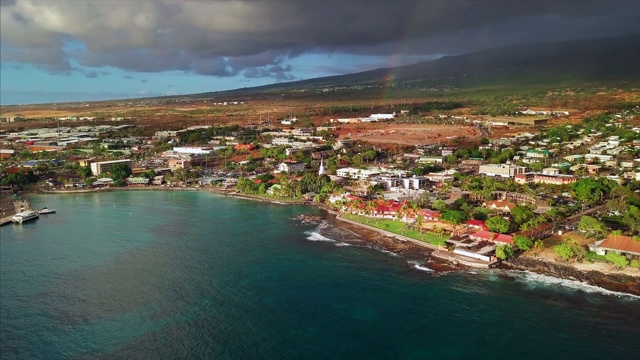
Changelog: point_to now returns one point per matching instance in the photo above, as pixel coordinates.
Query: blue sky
(28, 84)
(77, 50)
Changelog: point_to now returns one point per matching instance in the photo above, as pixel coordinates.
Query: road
(573, 220)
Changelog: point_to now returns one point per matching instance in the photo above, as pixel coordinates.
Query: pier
(10, 206)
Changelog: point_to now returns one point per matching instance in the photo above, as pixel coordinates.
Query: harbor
(13, 207)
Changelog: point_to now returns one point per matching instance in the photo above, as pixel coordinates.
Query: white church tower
(321, 171)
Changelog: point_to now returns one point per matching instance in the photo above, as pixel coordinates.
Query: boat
(46, 210)
(25, 216)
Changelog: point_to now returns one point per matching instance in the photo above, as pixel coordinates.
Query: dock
(10, 206)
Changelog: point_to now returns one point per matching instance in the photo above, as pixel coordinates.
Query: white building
(353, 173)
(503, 170)
(192, 150)
(100, 167)
(383, 116)
(291, 167)
(281, 141)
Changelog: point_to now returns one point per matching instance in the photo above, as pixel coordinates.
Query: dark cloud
(257, 38)
(91, 74)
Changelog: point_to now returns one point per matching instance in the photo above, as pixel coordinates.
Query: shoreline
(411, 248)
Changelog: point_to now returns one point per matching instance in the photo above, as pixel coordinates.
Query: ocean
(193, 275)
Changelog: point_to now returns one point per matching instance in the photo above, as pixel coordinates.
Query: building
(551, 179)
(100, 167)
(526, 178)
(620, 244)
(503, 170)
(175, 164)
(291, 167)
(192, 150)
(554, 179)
(353, 173)
(430, 160)
(280, 141)
(485, 235)
(137, 181)
(7, 153)
(538, 154)
(383, 116)
(416, 182)
(504, 206)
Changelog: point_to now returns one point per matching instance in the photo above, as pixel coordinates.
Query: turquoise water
(185, 275)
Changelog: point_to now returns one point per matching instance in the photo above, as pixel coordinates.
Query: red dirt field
(408, 134)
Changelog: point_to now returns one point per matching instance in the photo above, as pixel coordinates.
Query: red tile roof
(477, 223)
(495, 237)
(621, 243)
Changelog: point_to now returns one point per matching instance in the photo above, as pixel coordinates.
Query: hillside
(613, 62)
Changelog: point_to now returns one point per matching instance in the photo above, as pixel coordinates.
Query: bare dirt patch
(411, 135)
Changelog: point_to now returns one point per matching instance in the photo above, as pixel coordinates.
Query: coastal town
(475, 190)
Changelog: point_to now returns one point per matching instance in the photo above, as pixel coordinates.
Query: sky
(82, 50)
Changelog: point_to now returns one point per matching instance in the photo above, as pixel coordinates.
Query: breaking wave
(532, 279)
(421, 267)
(315, 236)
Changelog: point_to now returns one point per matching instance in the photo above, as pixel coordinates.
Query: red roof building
(491, 236)
(477, 224)
(621, 244)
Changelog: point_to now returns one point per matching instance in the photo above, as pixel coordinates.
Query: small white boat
(46, 210)
(25, 216)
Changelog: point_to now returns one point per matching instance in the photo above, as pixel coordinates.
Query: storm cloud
(257, 38)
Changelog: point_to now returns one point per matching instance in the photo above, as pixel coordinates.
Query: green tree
(522, 214)
(455, 217)
(618, 260)
(504, 252)
(480, 214)
(439, 205)
(84, 171)
(523, 242)
(564, 250)
(498, 224)
(590, 190)
(632, 218)
(591, 225)
(119, 171)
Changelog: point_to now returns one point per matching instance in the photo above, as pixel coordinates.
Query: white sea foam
(572, 285)
(419, 266)
(314, 236)
(343, 244)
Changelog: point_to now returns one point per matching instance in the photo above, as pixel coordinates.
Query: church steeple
(321, 171)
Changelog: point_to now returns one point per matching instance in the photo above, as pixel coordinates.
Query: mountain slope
(607, 62)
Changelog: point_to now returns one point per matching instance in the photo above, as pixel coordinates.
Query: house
(430, 160)
(137, 181)
(620, 244)
(504, 206)
(485, 235)
(539, 232)
(157, 180)
(430, 215)
(291, 167)
(477, 224)
(7, 153)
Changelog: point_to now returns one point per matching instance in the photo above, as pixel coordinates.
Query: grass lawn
(594, 256)
(397, 227)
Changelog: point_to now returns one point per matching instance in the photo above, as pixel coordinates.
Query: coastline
(414, 249)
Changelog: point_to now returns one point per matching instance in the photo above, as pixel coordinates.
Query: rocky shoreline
(614, 282)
